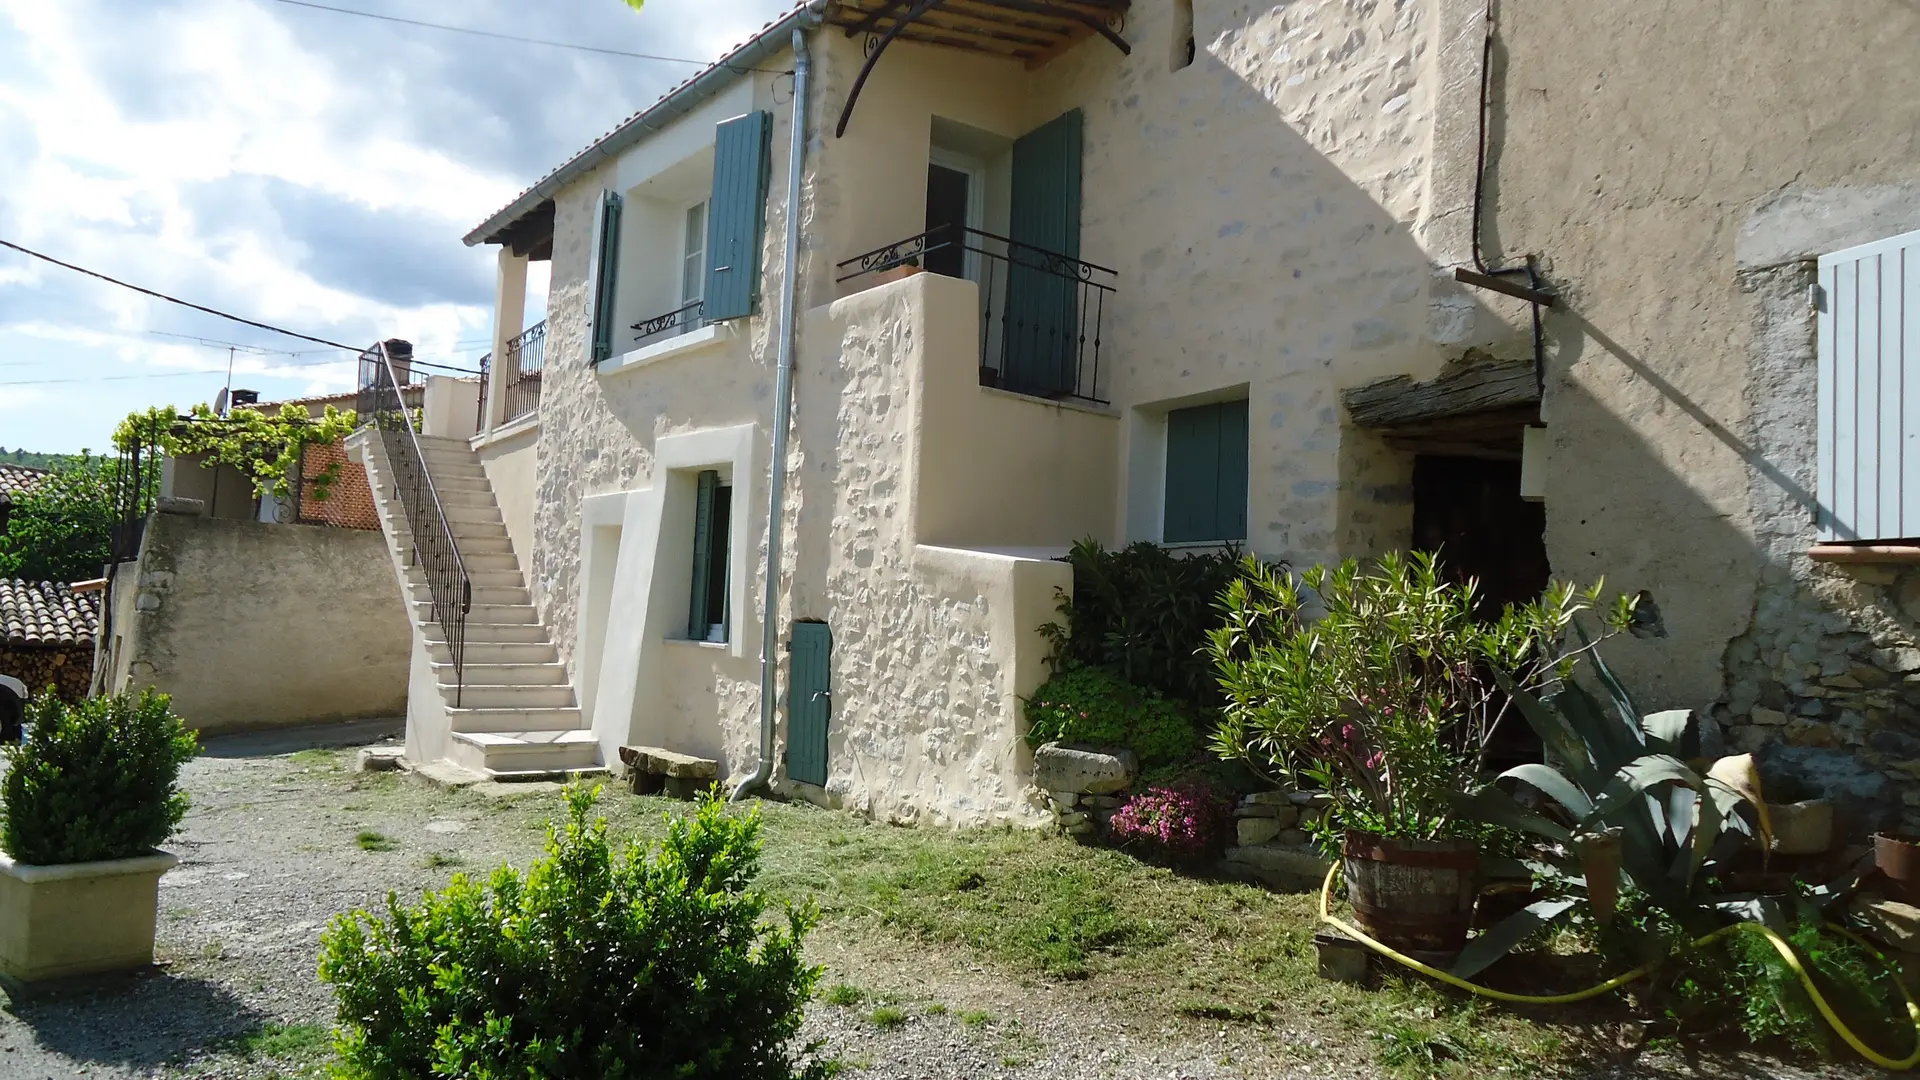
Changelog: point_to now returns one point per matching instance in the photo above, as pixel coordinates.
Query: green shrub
(1144, 613)
(94, 781)
(593, 964)
(1091, 705)
(1742, 981)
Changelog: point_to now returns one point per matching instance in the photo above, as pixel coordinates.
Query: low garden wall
(250, 625)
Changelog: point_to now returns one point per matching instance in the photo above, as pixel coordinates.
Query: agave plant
(1627, 809)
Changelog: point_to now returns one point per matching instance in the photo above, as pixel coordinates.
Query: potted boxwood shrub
(87, 799)
(1377, 686)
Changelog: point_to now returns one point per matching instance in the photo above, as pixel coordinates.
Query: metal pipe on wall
(782, 417)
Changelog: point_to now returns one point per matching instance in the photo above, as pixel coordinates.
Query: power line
(515, 38)
(210, 311)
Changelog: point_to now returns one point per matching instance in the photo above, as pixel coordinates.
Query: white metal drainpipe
(782, 415)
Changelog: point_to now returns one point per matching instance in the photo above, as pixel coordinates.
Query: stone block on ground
(1072, 819)
(1064, 798)
(1341, 959)
(1892, 922)
(1315, 800)
(1256, 830)
(653, 770)
(1268, 798)
(380, 758)
(1291, 837)
(1102, 802)
(1287, 869)
(1086, 771)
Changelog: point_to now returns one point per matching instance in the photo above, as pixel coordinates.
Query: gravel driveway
(277, 843)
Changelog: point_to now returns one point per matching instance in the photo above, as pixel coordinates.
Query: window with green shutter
(605, 274)
(712, 523)
(737, 216)
(1206, 491)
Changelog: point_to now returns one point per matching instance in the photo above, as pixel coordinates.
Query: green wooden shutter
(737, 216)
(1041, 328)
(698, 618)
(606, 275)
(809, 701)
(1206, 489)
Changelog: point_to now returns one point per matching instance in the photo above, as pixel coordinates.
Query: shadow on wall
(1813, 668)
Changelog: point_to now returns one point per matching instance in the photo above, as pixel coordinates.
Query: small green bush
(95, 781)
(1144, 613)
(1091, 705)
(593, 964)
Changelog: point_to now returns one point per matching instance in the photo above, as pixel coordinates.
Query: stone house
(1312, 279)
(46, 635)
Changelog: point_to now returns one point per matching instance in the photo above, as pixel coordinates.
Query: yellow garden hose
(1780, 945)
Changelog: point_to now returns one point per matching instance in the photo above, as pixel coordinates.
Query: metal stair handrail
(383, 406)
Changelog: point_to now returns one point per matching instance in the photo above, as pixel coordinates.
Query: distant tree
(61, 529)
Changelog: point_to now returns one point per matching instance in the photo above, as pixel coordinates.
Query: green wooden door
(1040, 341)
(1206, 491)
(809, 701)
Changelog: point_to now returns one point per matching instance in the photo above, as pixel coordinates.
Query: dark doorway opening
(949, 195)
(1469, 511)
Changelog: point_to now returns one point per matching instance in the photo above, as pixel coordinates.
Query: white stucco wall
(508, 456)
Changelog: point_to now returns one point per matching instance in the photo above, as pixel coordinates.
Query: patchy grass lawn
(1163, 946)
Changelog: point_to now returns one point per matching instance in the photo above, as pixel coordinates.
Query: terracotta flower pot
(1801, 828)
(1897, 857)
(1412, 895)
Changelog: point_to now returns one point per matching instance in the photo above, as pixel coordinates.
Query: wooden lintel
(1502, 285)
(1865, 553)
(1400, 402)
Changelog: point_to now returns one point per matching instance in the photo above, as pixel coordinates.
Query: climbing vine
(261, 445)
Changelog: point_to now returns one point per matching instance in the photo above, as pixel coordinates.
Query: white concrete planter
(78, 919)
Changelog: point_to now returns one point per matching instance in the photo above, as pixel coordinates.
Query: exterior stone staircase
(513, 715)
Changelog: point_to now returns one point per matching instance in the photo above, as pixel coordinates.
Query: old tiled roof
(46, 613)
(737, 60)
(15, 479)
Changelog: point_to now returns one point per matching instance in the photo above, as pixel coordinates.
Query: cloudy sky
(303, 168)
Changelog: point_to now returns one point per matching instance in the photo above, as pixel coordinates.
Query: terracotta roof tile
(46, 613)
(15, 479)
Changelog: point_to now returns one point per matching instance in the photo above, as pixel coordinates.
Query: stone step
(496, 633)
(520, 752)
(476, 673)
(467, 496)
(481, 613)
(492, 579)
(481, 595)
(470, 719)
(539, 653)
(483, 696)
(490, 562)
(485, 539)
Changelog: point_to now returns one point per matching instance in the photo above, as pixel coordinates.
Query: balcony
(520, 373)
(1041, 312)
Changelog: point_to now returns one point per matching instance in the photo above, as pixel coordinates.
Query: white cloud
(303, 168)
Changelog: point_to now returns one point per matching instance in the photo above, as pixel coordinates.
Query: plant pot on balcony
(57, 922)
(1415, 896)
(895, 273)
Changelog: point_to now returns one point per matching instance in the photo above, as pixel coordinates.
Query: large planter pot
(1412, 895)
(80, 919)
(1801, 828)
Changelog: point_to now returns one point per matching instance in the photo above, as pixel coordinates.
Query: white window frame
(976, 173)
(697, 288)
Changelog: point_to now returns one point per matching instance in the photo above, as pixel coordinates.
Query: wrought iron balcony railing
(679, 321)
(1041, 312)
(526, 357)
